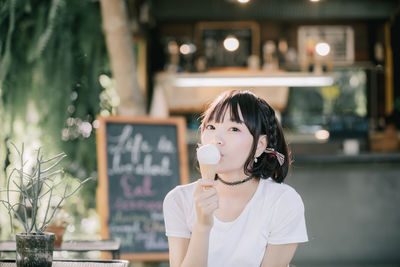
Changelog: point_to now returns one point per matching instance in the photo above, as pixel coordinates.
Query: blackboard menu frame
(103, 197)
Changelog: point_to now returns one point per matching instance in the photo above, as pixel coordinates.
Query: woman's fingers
(204, 184)
(204, 194)
(205, 197)
(205, 201)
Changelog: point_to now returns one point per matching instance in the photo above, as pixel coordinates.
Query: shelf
(191, 92)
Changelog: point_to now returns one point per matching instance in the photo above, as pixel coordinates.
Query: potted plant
(37, 190)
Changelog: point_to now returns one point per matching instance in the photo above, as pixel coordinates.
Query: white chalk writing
(141, 161)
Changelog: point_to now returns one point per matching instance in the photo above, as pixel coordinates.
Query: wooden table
(112, 246)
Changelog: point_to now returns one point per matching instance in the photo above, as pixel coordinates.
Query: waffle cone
(208, 171)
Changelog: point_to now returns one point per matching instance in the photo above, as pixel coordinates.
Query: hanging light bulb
(231, 43)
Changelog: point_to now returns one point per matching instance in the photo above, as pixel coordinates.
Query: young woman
(247, 216)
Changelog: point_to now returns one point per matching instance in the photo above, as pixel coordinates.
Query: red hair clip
(280, 157)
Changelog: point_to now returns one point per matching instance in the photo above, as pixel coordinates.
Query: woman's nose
(218, 141)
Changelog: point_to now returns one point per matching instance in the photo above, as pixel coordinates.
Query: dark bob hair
(260, 119)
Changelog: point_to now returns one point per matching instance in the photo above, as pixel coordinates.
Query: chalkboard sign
(139, 161)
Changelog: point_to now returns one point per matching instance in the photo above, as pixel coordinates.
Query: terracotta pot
(59, 232)
(35, 250)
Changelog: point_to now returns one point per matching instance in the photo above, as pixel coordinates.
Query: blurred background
(330, 68)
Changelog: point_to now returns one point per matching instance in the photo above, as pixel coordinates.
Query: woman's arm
(189, 252)
(194, 251)
(177, 250)
(278, 255)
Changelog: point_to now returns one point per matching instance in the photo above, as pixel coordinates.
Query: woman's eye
(210, 127)
(234, 129)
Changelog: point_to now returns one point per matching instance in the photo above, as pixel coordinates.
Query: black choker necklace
(234, 183)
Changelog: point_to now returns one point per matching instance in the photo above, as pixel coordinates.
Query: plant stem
(26, 226)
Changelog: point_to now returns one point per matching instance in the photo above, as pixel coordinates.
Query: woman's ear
(261, 145)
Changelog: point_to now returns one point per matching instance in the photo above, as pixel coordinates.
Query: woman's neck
(239, 190)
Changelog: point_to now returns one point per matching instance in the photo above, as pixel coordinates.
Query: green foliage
(51, 56)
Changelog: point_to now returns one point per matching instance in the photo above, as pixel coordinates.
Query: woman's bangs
(215, 112)
(224, 103)
(218, 113)
(234, 109)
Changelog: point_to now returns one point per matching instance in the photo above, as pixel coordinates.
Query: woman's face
(233, 140)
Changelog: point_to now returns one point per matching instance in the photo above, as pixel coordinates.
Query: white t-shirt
(274, 215)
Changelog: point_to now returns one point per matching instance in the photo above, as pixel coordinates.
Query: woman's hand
(206, 202)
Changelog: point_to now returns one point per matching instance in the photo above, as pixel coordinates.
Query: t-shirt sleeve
(288, 222)
(174, 216)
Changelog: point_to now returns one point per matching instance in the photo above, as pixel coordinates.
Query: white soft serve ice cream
(208, 157)
(208, 154)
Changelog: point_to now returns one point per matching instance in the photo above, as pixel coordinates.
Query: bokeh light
(231, 43)
(323, 49)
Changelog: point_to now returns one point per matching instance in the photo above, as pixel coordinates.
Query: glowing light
(322, 49)
(96, 124)
(254, 81)
(105, 113)
(322, 135)
(71, 109)
(115, 101)
(90, 224)
(74, 95)
(243, 1)
(330, 92)
(184, 49)
(71, 228)
(65, 134)
(85, 129)
(187, 49)
(354, 81)
(231, 43)
(70, 121)
(315, 1)
(104, 80)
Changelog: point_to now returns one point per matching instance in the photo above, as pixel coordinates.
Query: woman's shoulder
(274, 191)
(184, 191)
(276, 187)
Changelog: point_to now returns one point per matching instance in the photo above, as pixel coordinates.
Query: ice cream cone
(208, 171)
